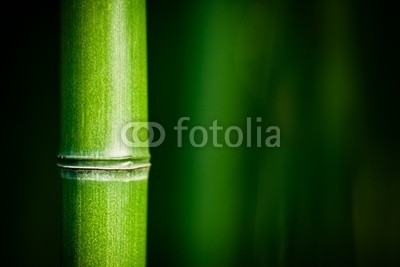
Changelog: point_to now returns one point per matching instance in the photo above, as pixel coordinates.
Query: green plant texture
(103, 87)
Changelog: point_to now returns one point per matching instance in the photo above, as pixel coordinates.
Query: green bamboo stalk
(103, 87)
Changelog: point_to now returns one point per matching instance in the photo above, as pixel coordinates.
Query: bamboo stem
(104, 87)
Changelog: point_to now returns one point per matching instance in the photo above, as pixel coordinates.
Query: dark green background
(323, 71)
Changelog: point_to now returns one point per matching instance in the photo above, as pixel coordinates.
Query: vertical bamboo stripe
(103, 87)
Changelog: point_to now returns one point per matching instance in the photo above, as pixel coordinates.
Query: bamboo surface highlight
(104, 87)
